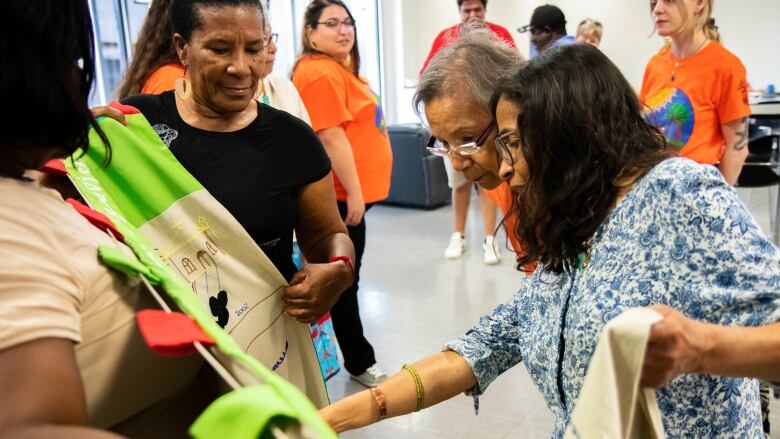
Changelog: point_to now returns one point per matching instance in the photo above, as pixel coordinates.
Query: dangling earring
(183, 87)
(260, 89)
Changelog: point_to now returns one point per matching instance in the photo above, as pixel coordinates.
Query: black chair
(762, 167)
(419, 179)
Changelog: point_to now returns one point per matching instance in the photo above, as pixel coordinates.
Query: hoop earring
(260, 90)
(183, 87)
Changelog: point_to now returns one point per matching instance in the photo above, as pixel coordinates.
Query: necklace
(677, 64)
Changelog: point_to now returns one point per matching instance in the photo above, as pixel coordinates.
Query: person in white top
(278, 91)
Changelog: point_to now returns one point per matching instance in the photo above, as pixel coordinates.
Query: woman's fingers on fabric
(299, 277)
(666, 353)
(111, 112)
(662, 309)
(653, 376)
(302, 315)
(298, 293)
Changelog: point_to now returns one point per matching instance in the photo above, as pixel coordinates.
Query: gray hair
(472, 64)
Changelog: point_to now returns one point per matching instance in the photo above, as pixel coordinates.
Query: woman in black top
(265, 166)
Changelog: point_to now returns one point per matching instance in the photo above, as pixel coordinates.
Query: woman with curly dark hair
(155, 64)
(616, 222)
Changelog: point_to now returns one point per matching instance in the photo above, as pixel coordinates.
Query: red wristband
(348, 261)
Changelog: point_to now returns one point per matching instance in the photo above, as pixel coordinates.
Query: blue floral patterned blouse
(680, 237)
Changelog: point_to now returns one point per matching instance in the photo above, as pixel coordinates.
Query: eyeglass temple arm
(485, 134)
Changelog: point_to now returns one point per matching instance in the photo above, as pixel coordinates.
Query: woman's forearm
(735, 135)
(443, 376)
(741, 351)
(343, 161)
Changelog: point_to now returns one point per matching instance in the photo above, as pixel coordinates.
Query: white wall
(750, 29)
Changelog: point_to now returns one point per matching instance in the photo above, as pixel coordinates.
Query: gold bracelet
(379, 397)
(418, 386)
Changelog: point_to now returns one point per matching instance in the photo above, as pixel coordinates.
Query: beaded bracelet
(418, 386)
(379, 397)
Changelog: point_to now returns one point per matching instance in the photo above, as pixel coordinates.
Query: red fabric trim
(171, 334)
(54, 167)
(125, 109)
(322, 320)
(96, 218)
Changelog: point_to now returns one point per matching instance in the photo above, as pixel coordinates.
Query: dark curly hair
(48, 74)
(153, 49)
(584, 139)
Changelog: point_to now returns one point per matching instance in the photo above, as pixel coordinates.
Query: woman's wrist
(347, 270)
(708, 340)
(351, 413)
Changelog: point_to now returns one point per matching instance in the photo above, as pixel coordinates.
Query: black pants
(358, 353)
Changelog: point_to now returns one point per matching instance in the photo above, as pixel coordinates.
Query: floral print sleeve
(720, 250)
(492, 346)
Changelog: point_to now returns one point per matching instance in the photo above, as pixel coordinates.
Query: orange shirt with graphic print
(334, 97)
(690, 98)
(163, 79)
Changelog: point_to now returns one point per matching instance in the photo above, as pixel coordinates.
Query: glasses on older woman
(505, 147)
(437, 147)
(334, 24)
(272, 38)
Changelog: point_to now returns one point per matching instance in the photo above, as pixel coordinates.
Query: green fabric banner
(144, 185)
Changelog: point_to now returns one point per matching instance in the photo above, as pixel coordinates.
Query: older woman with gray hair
(454, 92)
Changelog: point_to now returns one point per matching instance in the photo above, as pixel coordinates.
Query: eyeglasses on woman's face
(271, 38)
(334, 24)
(507, 147)
(437, 147)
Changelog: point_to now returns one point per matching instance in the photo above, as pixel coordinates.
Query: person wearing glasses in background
(349, 121)
(470, 10)
(276, 90)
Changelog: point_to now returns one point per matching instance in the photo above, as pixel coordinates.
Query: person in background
(155, 66)
(468, 9)
(348, 119)
(461, 186)
(616, 222)
(696, 91)
(590, 31)
(276, 90)
(548, 29)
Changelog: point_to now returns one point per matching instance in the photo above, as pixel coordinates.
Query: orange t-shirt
(690, 98)
(163, 79)
(503, 196)
(335, 97)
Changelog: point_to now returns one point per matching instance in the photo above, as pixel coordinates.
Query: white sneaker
(371, 377)
(456, 247)
(491, 255)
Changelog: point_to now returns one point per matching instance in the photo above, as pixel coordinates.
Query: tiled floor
(413, 301)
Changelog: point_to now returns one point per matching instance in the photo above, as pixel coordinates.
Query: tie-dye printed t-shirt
(335, 97)
(690, 98)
